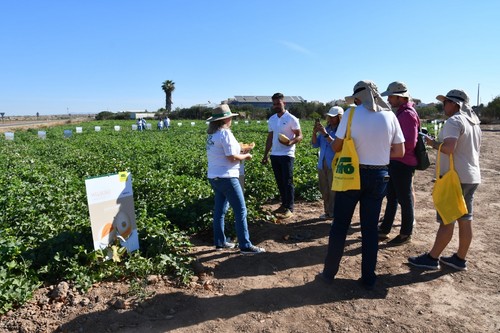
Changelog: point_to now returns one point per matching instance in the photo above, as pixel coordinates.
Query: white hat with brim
(221, 112)
(335, 111)
(396, 88)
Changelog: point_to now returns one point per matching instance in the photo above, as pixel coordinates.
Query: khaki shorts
(468, 191)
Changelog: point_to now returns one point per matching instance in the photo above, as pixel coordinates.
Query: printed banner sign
(111, 208)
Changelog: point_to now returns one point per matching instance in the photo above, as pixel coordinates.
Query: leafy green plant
(44, 220)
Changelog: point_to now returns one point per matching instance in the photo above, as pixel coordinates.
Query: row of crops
(45, 233)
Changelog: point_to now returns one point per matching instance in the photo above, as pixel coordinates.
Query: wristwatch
(326, 135)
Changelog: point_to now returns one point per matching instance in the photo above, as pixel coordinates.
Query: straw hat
(221, 112)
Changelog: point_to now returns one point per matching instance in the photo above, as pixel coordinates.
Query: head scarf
(367, 93)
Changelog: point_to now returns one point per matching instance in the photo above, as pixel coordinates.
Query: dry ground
(277, 291)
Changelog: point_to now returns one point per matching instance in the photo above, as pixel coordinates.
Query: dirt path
(277, 291)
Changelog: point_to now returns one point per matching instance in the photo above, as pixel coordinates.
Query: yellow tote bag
(346, 164)
(447, 193)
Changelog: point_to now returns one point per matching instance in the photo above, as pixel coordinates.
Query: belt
(373, 167)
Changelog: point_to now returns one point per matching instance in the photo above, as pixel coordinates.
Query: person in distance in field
(224, 156)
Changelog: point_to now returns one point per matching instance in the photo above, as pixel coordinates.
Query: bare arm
(239, 157)
(398, 150)
(269, 143)
(298, 137)
(448, 147)
(337, 144)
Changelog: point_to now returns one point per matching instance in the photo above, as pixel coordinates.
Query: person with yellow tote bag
(377, 136)
(346, 163)
(460, 139)
(447, 193)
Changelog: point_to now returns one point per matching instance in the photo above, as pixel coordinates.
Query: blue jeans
(399, 190)
(228, 192)
(283, 173)
(370, 196)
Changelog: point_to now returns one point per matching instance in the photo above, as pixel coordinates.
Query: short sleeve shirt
(285, 124)
(220, 145)
(373, 134)
(466, 154)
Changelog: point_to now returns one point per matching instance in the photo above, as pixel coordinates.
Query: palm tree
(168, 87)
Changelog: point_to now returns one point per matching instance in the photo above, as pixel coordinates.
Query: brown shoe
(286, 214)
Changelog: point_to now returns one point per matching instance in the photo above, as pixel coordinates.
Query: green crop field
(45, 233)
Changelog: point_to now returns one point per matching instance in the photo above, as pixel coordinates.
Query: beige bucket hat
(396, 88)
(455, 95)
(462, 99)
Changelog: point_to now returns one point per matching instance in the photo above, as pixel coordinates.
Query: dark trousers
(399, 190)
(283, 173)
(370, 196)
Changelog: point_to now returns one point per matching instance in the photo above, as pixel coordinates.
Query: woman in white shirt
(224, 156)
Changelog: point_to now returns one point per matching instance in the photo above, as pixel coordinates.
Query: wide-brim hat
(396, 88)
(358, 88)
(455, 95)
(221, 112)
(367, 92)
(335, 111)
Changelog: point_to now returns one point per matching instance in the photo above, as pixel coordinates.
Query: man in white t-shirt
(378, 137)
(283, 152)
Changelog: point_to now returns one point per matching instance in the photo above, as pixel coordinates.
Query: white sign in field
(111, 208)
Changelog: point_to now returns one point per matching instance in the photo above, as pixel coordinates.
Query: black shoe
(382, 235)
(424, 261)
(399, 240)
(366, 286)
(455, 262)
(325, 279)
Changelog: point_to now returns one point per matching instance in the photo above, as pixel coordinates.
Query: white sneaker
(252, 250)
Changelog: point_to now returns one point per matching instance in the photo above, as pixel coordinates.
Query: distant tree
(122, 116)
(309, 110)
(108, 115)
(429, 112)
(168, 87)
(104, 115)
(493, 109)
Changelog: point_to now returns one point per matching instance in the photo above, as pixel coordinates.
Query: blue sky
(72, 56)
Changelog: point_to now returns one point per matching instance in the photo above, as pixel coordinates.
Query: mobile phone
(425, 135)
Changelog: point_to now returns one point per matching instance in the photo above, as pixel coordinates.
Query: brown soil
(277, 291)
(25, 123)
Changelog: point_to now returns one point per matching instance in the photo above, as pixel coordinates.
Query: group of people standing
(385, 144)
(162, 124)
